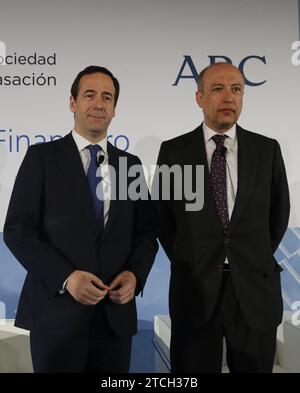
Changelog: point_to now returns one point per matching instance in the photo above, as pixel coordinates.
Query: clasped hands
(88, 289)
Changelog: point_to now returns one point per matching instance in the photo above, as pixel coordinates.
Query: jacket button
(101, 244)
(226, 240)
(220, 268)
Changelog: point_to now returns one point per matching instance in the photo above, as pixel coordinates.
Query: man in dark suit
(225, 281)
(86, 252)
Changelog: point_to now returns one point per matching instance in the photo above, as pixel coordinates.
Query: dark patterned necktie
(218, 179)
(94, 180)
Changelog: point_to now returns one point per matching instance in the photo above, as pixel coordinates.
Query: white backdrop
(145, 43)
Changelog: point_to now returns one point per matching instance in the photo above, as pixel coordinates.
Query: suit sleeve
(280, 201)
(165, 222)
(23, 228)
(145, 244)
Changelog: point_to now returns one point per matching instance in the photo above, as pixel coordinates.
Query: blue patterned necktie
(94, 181)
(218, 180)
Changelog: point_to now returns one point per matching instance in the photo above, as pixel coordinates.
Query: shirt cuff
(63, 289)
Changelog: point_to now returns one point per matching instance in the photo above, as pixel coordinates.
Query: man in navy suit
(87, 253)
(225, 281)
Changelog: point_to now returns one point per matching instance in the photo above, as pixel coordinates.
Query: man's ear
(199, 98)
(72, 104)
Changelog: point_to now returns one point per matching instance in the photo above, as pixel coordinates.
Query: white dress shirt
(231, 162)
(85, 155)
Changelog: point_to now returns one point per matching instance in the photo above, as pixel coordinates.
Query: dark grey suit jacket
(197, 246)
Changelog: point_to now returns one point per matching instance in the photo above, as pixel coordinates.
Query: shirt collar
(209, 133)
(82, 142)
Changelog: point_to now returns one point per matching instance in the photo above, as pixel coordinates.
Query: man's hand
(86, 288)
(122, 289)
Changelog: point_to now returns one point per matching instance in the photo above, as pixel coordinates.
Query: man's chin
(97, 131)
(222, 127)
(227, 124)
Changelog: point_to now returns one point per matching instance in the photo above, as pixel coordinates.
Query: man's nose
(99, 103)
(228, 96)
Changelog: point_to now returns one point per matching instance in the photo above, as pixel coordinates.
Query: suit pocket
(269, 270)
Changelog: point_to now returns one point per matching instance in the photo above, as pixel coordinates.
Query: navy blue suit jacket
(52, 230)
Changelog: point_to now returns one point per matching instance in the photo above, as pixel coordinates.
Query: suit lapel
(247, 165)
(197, 153)
(70, 164)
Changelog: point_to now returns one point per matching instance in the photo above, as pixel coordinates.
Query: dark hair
(92, 70)
(200, 78)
